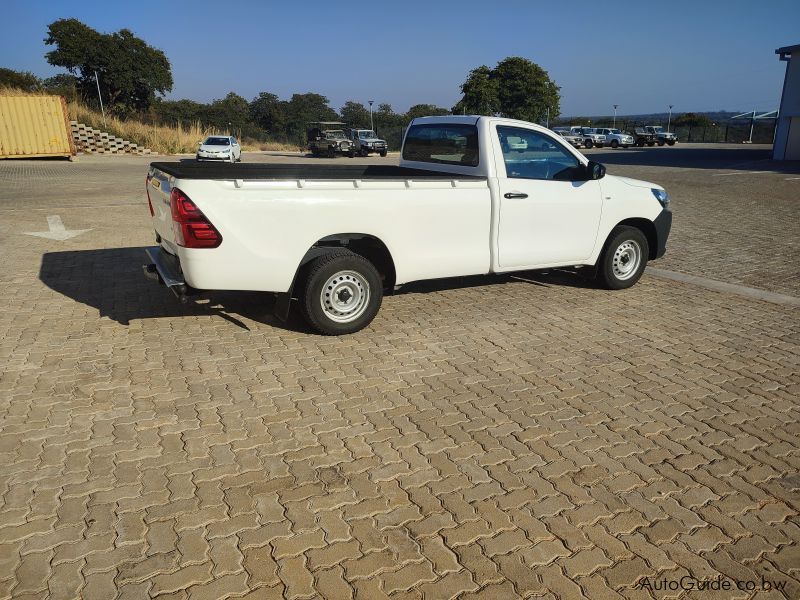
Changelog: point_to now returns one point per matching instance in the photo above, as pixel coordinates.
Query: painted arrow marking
(57, 230)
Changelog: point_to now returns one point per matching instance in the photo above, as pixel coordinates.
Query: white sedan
(220, 147)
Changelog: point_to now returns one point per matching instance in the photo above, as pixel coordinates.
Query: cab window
(442, 143)
(529, 154)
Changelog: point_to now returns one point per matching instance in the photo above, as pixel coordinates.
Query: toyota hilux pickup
(333, 238)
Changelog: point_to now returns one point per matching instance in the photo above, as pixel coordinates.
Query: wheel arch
(647, 228)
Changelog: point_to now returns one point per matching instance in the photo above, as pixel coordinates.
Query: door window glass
(529, 154)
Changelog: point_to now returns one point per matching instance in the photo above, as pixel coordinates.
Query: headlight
(661, 196)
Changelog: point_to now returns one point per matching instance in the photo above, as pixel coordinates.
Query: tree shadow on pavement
(111, 281)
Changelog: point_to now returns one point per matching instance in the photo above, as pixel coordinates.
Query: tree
(425, 110)
(479, 93)
(516, 88)
(269, 113)
(690, 119)
(355, 114)
(232, 113)
(62, 84)
(22, 80)
(302, 109)
(131, 72)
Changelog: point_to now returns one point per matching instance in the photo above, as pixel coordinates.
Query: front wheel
(588, 144)
(342, 293)
(660, 142)
(624, 259)
(671, 142)
(614, 144)
(383, 153)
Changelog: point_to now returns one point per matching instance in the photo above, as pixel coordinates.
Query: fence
(733, 131)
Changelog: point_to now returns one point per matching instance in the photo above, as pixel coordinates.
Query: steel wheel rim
(345, 296)
(626, 261)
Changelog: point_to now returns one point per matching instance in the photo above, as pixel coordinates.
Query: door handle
(511, 195)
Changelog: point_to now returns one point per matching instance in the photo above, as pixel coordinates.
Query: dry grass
(164, 139)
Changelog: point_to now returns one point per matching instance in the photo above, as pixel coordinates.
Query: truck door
(547, 215)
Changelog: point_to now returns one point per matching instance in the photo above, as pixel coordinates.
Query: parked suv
(575, 140)
(327, 138)
(643, 137)
(367, 141)
(589, 135)
(662, 136)
(615, 137)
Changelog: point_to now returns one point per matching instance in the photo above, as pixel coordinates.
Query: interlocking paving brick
(506, 439)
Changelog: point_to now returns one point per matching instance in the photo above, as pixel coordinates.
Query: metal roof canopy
(326, 123)
(785, 53)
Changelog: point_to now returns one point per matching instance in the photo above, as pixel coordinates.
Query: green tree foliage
(62, 84)
(479, 93)
(516, 88)
(22, 80)
(303, 109)
(269, 112)
(355, 114)
(131, 72)
(425, 110)
(691, 120)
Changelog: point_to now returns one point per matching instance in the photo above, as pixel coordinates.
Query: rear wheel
(671, 142)
(660, 142)
(624, 259)
(341, 293)
(588, 144)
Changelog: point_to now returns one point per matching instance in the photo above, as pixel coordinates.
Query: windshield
(217, 141)
(366, 134)
(335, 133)
(614, 131)
(658, 129)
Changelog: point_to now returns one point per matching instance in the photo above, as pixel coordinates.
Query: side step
(163, 268)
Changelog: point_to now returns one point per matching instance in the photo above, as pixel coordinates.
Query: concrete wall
(787, 133)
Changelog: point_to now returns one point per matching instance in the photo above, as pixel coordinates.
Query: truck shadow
(111, 281)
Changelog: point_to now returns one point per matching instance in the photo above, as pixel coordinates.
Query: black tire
(320, 271)
(621, 241)
(588, 144)
(614, 144)
(640, 143)
(600, 145)
(351, 154)
(671, 142)
(624, 145)
(651, 144)
(383, 153)
(331, 153)
(660, 142)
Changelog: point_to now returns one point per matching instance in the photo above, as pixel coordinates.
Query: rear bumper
(663, 225)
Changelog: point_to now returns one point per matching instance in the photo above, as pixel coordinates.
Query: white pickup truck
(461, 202)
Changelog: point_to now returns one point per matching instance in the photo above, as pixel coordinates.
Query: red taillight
(147, 189)
(192, 228)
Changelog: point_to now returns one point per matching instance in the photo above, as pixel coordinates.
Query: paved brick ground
(523, 437)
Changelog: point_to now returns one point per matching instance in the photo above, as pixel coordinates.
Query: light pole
(371, 126)
(100, 97)
(669, 119)
(615, 116)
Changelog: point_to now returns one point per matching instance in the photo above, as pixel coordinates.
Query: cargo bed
(194, 170)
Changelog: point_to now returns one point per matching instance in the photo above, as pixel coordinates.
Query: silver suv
(590, 136)
(367, 141)
(615, 137)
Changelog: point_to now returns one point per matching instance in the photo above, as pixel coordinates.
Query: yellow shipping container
(32, 126)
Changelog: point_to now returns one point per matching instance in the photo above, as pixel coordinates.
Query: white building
(787, 134)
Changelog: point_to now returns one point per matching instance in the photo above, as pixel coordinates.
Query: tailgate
(158, 190)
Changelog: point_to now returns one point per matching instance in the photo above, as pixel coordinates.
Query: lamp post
(371, 126)
(615, 116)
(669, 119)
(100, 97)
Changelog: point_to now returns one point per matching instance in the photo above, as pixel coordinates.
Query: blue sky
(642, 55)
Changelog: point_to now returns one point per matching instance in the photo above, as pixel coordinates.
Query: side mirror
(594, 170)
